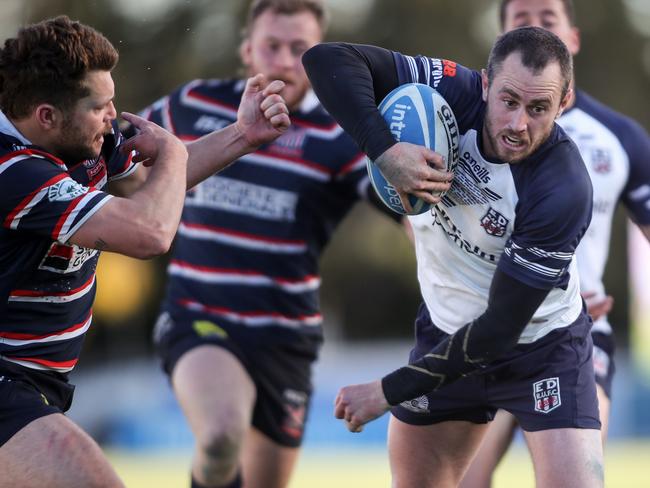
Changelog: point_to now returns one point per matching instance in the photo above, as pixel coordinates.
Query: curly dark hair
(47, 63)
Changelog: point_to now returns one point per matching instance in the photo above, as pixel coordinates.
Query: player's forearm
(511, 306)
(144, 224)
(213, 152)
(346, 84)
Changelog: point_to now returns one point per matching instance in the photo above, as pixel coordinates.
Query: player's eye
(298, 49)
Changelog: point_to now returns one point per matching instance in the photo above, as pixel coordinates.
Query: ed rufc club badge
(547, 395)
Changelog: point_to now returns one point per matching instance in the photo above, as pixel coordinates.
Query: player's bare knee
(222, 443)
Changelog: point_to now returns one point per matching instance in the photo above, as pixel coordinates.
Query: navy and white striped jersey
(250, 237)
(616, 151)
(525, 218)
(48, 285)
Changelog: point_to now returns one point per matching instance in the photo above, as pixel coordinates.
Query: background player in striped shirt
(59, 148)
(241, 322)
(616, 152)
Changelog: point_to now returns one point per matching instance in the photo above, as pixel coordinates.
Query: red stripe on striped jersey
(32, 152)
(168, 119)
(211, 101)
(127, 163)
(50, 364)
(348, 167)
(187, 138)
(40, 293)
(244, 272)
(32, 337)
(310, 125)
(308, 164)
(73, 204)
(29, 197)
(253, 237)
(223, 310)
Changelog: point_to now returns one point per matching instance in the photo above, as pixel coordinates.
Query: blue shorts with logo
(279, 363)
(27, 394)
(548, 384)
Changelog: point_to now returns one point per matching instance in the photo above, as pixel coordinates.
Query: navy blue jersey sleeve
(636, 194)
(350, 80)
(461, 87)
(552, 215)
(118, 165)
(42, 198)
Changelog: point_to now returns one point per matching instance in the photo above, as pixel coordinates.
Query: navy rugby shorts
(604, 366)
(278, 361)
(548, 384)
(27, 394)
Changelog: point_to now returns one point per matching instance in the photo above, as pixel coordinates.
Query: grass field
(627, 466)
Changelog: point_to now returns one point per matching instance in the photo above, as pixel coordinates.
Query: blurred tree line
(369, 284)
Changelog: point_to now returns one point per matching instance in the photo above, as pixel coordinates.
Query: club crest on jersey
(494, 223)
(546, 393)
(65, 190)
(601, 160)
(291, 143)
(417, 405)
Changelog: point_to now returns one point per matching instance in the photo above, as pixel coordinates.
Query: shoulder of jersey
(417, 114)
(616, 121)
(226, 91)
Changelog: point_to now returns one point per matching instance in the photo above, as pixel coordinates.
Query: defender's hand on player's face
(359, 404)
(150, 141)
(263, 115)
(416, 170)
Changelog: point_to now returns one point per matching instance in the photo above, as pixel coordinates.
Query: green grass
(627, 466)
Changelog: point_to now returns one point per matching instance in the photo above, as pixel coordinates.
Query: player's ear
(484, 83)
(573, 41)
(48, 116)
(565, 102)
(245, 51)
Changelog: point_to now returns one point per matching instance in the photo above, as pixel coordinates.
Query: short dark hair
(286, 7)
(538, 48)
(569, 9)
(47, 62)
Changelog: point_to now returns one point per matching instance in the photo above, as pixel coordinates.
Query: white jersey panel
(608, 165)
(458, 246)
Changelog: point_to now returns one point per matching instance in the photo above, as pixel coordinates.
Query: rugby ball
(418, 114)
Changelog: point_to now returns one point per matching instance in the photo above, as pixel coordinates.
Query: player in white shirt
(615, 151)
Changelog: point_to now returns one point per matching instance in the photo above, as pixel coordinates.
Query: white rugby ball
(418, 114)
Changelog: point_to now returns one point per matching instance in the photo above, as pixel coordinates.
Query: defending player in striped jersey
(502, 324)
(58, 154)
(242, 313)
(616, 151)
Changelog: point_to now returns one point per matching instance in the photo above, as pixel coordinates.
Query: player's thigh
(493, 447)
(567, 458)
(52, 451)
(267, 464)
(214, 389)
(431, 455)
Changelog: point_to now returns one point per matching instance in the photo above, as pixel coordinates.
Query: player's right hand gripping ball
(418, 114)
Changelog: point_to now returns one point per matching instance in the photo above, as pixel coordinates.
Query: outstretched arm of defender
(144, 224)
(262, 117)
